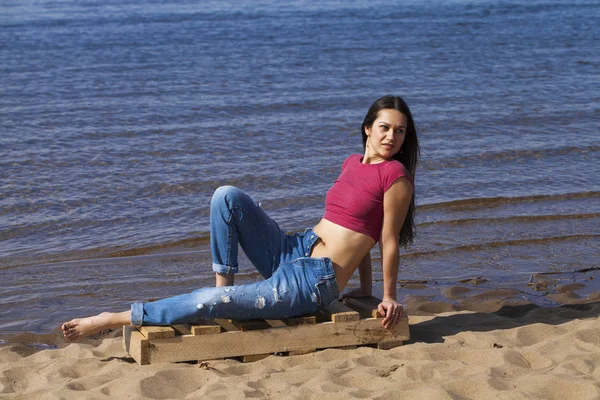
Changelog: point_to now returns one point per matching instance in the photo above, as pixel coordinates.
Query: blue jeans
(294, 283)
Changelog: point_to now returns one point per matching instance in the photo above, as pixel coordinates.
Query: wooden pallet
(356, 322)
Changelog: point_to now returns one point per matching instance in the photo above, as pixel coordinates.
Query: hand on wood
(392, 312)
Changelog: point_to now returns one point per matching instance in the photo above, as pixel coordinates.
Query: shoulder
(351, 158)
(395, 170)
(398, 190)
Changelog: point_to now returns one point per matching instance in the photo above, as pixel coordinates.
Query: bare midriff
(345, 248)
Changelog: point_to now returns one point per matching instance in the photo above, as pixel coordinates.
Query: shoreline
(420, 297)
(514, 351)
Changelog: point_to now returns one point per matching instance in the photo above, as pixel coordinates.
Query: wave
(496, 244)
(184, 248)
(517, 218)
(494, 201)
(507, 155)
(160, 248)
(189, 248)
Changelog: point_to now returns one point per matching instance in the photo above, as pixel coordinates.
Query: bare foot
(79, 328)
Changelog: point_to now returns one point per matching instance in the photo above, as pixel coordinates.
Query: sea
(119, 119)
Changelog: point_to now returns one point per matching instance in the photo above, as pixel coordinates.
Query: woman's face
(387, 133)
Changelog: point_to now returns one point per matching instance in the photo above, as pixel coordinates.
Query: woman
(371, 201)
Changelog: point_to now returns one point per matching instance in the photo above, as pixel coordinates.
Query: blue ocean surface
(119, 119)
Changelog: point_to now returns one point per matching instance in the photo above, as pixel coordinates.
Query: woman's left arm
(396, 201)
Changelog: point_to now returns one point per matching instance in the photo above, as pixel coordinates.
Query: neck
(369, 158)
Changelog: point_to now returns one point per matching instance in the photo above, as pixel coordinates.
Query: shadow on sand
(438, 327)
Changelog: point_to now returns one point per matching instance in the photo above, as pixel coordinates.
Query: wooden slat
(254, 324)
(302, 320)
(250, 324)
(227, 324)
(285, 339)
(205, 329)
(275, 323)
(254, 357)
(338, 312)
(366, 306)
(390, 343)
(157, 332)
(182, 329)
(136, 345)
(301, 352)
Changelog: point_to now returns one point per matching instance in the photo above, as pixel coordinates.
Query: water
(119, 119)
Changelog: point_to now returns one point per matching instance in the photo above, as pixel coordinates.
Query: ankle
(224, 280)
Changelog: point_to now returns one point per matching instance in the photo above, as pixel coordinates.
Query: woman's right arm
(365, 275)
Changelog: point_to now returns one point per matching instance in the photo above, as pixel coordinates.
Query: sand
(517, 352)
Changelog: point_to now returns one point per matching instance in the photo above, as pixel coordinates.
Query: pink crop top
(355, 201)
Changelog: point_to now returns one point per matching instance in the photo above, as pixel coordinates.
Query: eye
(400, 131)
(384, 128)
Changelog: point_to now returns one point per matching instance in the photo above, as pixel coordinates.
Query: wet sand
(502, 348)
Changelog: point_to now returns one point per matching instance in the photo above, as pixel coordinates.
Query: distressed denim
(294, 283)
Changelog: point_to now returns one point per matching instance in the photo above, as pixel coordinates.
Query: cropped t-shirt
(355, 201)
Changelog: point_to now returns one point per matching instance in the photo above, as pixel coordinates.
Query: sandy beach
(506, 350)
(119, 121)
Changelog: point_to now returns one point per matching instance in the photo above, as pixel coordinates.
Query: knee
(225, 195)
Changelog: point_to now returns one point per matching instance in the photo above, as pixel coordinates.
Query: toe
(67, 325)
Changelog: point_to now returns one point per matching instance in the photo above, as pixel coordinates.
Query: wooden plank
(250, 324)
(302, 320)
(227, 324)
(197, 329)
(254, 324)
(182, 329)
(285, 339)
(157, 332)
(136, 345)
(338, 312)
(275, 323)
(254, 357)
(404, 334)
(366, 306)
(301, 352)
(205, 329)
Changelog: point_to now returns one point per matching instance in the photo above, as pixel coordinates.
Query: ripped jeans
(294, 283)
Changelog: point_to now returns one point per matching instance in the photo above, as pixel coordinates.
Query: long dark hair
(408, 155)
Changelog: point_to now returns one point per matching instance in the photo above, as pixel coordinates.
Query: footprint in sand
(172, 384)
